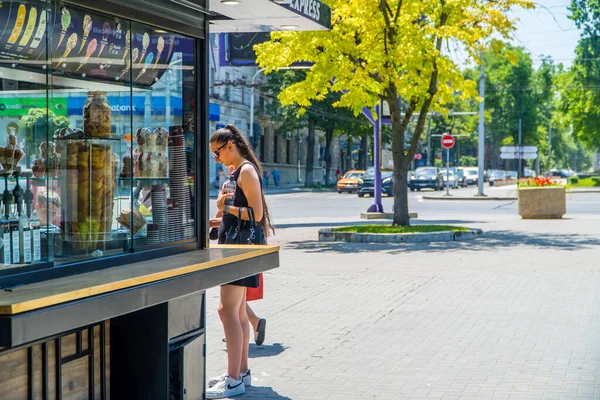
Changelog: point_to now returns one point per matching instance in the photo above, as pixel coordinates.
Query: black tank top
(239, 200)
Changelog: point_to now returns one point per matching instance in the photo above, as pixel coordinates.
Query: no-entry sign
(448, 141)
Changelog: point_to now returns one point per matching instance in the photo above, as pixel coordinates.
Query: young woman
(228, 147)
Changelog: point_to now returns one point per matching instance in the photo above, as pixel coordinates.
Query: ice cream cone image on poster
(40, 32)
(147, 63)
(104, 41)
(16, 32)
(160, 46)
(65, 22)
(30, 26)
(87, 28)
(134, 55)
(90, 50)
(127, 45)
(171, 46)
(71, 43)
(145, 44)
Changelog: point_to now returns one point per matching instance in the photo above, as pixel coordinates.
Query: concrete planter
(329, 235)
(542, 202)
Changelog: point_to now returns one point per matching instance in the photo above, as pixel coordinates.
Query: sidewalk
(502, 193)
(513, 315)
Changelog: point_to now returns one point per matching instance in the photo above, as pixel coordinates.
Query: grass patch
(575, 182)
(401, 229)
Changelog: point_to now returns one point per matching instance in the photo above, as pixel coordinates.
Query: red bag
(256, 293)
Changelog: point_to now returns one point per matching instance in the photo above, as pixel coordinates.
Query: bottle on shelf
(24, 235)
(5, 225)
(34, 224)
(15, 239)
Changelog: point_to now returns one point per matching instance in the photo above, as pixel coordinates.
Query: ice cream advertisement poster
(85, 44)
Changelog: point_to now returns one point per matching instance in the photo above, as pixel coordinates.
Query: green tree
(322, 115)
(582, 101)
(387, 50)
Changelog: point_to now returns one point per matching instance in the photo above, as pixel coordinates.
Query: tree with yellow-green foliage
(390, 50)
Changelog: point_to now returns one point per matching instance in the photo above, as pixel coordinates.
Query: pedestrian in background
(266, 177)
(228, 146)
(276, 176)
(324, 177)
(338, 174)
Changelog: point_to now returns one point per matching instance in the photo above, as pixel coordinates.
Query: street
(515, 314)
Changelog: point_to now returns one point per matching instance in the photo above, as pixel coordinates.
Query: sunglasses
(217, 153)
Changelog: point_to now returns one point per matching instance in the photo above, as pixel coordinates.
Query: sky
(547, 30)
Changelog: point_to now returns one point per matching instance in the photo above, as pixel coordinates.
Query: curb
(329, 235)
(470, 198)
(384, 215)
(583, 191)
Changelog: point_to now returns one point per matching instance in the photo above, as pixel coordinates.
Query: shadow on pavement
(262, 392)
(493, 240)
(372, 222)
(266, 350)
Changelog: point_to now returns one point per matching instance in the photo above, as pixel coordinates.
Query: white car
(471, 174)
(449, 176)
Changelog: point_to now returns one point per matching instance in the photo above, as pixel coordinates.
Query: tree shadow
(262, 392)
(492, 240)
(266, 350)
(316, 224)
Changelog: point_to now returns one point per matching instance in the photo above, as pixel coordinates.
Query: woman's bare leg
(243, 318)
(252, 317)
(232, 299)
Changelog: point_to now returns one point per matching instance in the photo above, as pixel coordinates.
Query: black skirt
(227, 222)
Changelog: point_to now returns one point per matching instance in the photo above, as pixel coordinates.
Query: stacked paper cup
(180, 210)
(158, 196)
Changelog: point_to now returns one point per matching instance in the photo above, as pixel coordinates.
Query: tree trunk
(328, 140)
(310, 153)
(401, 215)
(349, 165)
(363, 156)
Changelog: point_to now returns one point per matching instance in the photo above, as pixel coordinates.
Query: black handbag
(245, 232)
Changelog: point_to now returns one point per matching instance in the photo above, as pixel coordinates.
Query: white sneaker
(227, 387)
(246, 377)
(213, 381)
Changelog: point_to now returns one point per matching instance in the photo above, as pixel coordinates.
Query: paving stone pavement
(514, 315)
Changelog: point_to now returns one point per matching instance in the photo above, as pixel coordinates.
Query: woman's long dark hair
(231, 134)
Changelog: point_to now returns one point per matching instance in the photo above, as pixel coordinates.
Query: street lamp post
(481, 138)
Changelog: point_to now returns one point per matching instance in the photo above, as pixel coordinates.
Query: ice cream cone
(87, 28)
(83, 41)
(147, 64)
(134, 56)
(71, 43)
(160, 46)
(62, 36)
(127, 44)
(90, 50)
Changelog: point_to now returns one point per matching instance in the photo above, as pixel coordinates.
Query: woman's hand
(215, 222)
(222, 198)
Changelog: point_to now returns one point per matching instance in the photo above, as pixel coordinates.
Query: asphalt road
(305, 209)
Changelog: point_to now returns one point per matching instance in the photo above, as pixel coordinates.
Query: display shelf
(91, 138)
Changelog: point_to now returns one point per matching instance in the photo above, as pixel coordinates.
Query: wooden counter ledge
(62, 290)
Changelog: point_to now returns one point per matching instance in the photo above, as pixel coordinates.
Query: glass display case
(98, 147)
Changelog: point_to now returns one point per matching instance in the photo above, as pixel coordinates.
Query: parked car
(426, 177)
(512, 175)
(449, 179)
(366, 184)
(561, 173)
(529, 173)
(349, 182)
(460, 176)
(472, 174)
(496, 175)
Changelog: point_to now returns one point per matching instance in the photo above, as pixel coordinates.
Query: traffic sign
(448, 141)
(516, 152)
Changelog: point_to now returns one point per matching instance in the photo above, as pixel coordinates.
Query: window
(102, 142)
